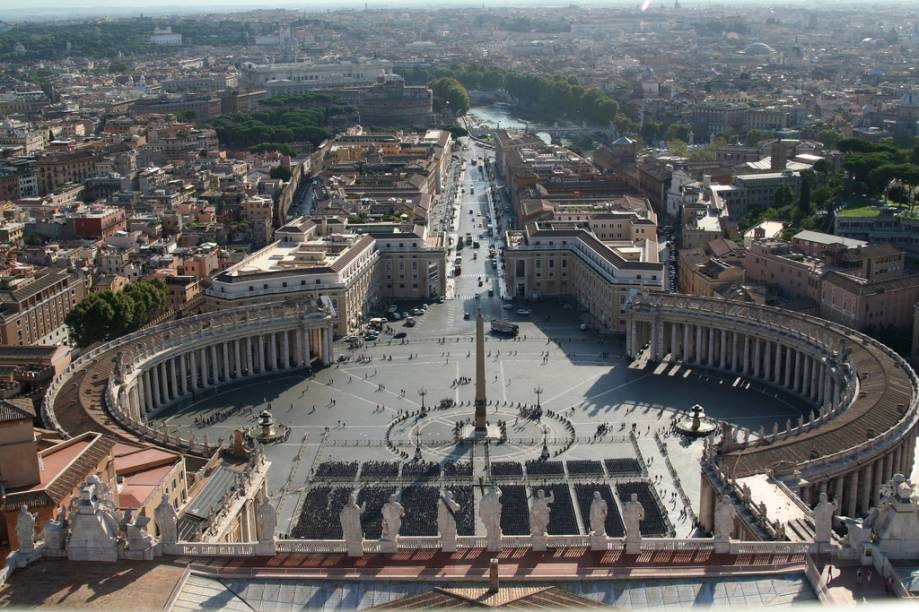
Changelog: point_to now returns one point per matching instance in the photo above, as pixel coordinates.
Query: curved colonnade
(160, 366)
(862, 429)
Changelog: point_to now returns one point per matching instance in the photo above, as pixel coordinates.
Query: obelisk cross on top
(480, 426)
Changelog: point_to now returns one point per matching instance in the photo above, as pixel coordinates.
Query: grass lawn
(862, 211)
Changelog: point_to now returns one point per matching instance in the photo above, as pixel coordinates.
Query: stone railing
(408, 543)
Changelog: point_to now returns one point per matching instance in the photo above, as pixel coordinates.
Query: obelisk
(480, 427)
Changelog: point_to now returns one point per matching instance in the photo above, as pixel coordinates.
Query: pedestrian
(858, 577)
(868, 576)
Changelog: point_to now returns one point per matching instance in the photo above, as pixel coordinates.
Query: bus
(505, 328)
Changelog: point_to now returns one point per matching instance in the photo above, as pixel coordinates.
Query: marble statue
(490, 514)
(823, 519)
(350, 519)
(267, 520)
(392, 518)
(94, 524)
(724, 519)
(632, 515)
(598, 512)
(54, 531)
(446, 520)
(539, 513)
(25, 529)
(166, 520)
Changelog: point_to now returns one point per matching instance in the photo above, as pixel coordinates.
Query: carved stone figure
(25, 529)
(54, 531)
(446, 520)
(632, 515)
(823, 519)
(490, 513)
(598, 513)
(350, 519)
(539, 513)
(724, 519)
(392, 518)
(267, 520)
(166, 520)
(94, 525)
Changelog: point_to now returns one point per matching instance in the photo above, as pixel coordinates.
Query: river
(499, 116)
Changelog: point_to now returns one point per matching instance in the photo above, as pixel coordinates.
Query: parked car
(524, 312)
(466, 316)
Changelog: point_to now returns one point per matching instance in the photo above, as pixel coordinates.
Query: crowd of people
(515, 514)
(625, 466)
(319, 514)
(423, 470)
(506, 468)
(372, 470)
(538, 467)
(339, 470)
(584, 467)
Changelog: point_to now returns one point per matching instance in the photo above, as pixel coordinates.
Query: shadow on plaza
(239, 394)
(655, 389)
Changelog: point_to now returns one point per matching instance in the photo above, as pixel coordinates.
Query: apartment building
(567, 260)
(34, 303)
(282, 76)
(57, 169)
(356, 267)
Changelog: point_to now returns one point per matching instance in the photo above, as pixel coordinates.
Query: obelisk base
(472, 434)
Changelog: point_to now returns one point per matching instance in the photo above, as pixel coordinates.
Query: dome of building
(759, 48)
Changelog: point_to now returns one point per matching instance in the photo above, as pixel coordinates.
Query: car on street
(466, 316)
(507, 306)
(399, 335)
(417, 311)
(524, 312)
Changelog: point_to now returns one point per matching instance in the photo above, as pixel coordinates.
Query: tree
(829, 136)
(280, 172)
(651, 131)
(678, 131)
(755, 136)
(804, 198)
(783, 197)
(678, 147)
(106, 315)
(450, 93)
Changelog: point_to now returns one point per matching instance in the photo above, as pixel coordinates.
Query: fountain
(267, 430)
(697, 425)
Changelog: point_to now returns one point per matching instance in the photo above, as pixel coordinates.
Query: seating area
(373, 470)
(319, 514)
(545, 468)
(515, 513)
(336, 470)
(623, 467)
(584, 467)
(465, 516)
(371, 519)
(506, 468)
(462, 468)
(585, 495)
(420, 504)
(421, 470)
(654, 524)
(562, 520)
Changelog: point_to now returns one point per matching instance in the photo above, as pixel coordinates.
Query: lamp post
(422, 392)
(538, 391)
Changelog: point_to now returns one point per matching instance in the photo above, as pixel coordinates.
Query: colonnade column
(757, 350)
(722, 361)
(174, 378)
(697, 349)
(193, 356)
(673, 341)
(155, 384)
(183, 370)
(148, 393)
(735, 341)
(225, 348)
(285, 350)
(260, 347)
(767, 360)
(685, 342)
(744, 367)
(796, 372)
(273, 354)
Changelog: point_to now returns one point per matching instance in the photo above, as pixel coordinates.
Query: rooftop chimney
(493, 583)
(778, 156)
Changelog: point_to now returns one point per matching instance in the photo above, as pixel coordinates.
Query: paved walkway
(844, 588)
